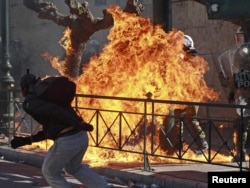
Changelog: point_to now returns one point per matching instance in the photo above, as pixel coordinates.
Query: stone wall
(211, 37)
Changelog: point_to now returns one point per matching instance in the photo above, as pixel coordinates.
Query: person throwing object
(68, 131)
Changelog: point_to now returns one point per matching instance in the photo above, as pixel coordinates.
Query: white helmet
(241, 58)
(188, 42)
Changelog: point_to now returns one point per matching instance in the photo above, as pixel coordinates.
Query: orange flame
(56, 63)
(140, 58)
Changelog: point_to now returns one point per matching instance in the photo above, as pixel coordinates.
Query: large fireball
(138, 59)
(142, 58)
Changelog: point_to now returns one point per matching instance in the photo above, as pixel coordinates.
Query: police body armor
(235, 68)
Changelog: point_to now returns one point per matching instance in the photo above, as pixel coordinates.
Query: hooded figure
(68, 131)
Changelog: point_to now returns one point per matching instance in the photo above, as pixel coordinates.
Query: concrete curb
(22, 156)
(164, 181)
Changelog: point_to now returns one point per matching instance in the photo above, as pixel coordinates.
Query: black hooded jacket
(52, 117)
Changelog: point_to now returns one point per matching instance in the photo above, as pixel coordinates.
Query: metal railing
(141, 126)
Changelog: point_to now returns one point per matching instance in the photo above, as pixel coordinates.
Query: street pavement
(21, 169)
(20, 175)
(23, 175)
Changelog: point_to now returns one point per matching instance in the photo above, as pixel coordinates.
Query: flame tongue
(142, 58)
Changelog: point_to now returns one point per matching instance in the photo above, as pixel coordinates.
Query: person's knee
(71, 170)
(47, 172)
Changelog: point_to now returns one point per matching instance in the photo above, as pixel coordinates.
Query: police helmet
(188, 42)
(242, 58)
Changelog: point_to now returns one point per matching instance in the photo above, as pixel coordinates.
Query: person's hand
(86, 127)
(19, 141)
(39, 136)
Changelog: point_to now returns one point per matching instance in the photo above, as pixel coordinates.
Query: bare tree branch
(82, 24)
